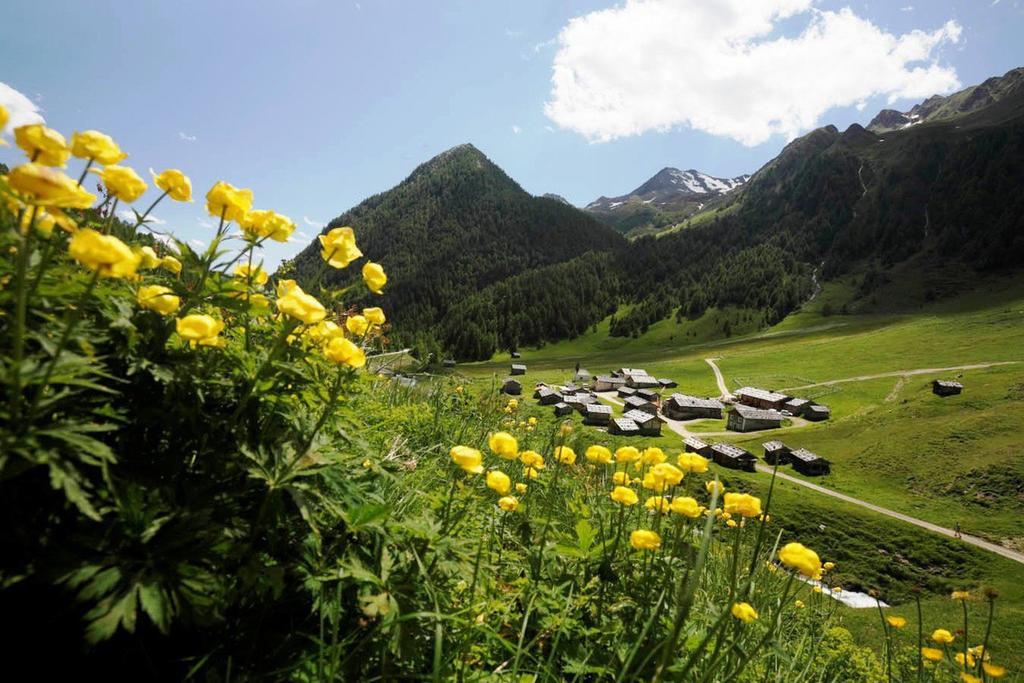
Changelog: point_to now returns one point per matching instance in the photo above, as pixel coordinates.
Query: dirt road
(723, 390)
(895, 373)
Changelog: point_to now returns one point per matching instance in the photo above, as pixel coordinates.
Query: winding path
(680, 428)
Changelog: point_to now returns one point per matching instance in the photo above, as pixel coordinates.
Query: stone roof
(749, 413)
(774, 445)
(730, 451)
(686, 401)
(805, 455)
(761, 394)
(626, 425)
(639, 416)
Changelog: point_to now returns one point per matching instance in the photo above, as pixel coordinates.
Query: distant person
(956, 531)
(577, 367)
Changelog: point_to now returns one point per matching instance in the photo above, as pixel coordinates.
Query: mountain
(456, 225)
(668, 197)
(941, 108)
(557, 198)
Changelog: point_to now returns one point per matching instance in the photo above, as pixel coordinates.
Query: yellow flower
(175, 183)
(277, 226)
(343, 352)
(565, 455)
(714, 485)
(42, 145)
(467, 458)
(122, 182)
(942, 636)
(686, 506)
(659, 503)
(828, 566)
(158, 298)
(503, 444)
(260, 301)
(374, 277)
(731, 523)
(976, 652)
(566, 429)
(532, 459)
(993, 670)
(816, 589)
(799, 604)
(200, 329)
(48, 187)
(357, 325)
(744, 612)
(621, 479)
(642, 539)
(4, 117)
(325, 330)
(499, 481)
(92, 144)
(598, 454)
(969, 678)
(147, 258)
(301, 306)
(627, 454)
(803, 559)
(959, 657)
(46, 220)
(171, 264)
(224, 199)
(621, 494)
(256, 273)
(960, 595)
(896, 622)
(531, 421)
(508, 503)
(652, 456)
(667, 473)
(931, 653)
(338, 247)
(530, 472)
(106, 254)
(521, 488)
(743, 504)
(692, 462)
(374, 315)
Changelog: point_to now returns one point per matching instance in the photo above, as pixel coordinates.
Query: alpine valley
(922, 203)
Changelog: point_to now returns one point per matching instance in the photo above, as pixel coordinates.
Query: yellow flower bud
(498, 481)
(224, 199)
(374, 315)
(175, 183)
(373, 275)
(42, 145)
(508, 503)
(643, 539)
(743, 504)
(744, 612)
(625, 496)
(469, 459)
(300, 305)
(504, 445)
(158, 298)
(44, 186)
(92, 144)
(686, 506)
(200, 329)
(103, 253)
(343, 352)
(803, 559)
(357, 325)
(256, 274)
(122, 182)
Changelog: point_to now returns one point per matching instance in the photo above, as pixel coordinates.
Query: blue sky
(317, 105)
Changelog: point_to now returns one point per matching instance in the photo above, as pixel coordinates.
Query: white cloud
(312, 222)
(198, 244)
(204, 223)
(128, 215)
(186, 137)
(908, 8)
(722, 68)
(516, 129)
(21, 109)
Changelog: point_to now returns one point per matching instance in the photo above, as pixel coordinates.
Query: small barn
(546, 396)
(626, 392)
(648, 394)
(760, 398)
(684, 407)
(776, 452)
(733, 457)
(582, 376)
(626, 372)
(641, 381)
(817, 413)
(946, 387)
(648, 423)
(809, 464)
(519, 368)
(743, 418)
(796, 406)
(641, 404)
(597, 414)
(623, 426)
(562, 409)
(569, 389)
(515, 354)
(579, 402)
(695, 444)
(512, 387)
(608, 383)
(537, 387)
(668, 383)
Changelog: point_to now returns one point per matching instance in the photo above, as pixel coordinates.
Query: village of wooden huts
(802, 460)
(756, 409)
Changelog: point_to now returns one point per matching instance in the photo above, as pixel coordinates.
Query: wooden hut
(609, 383)
(626, 372)
(648, 423)
(946, 387)
(546, 396)
(623, 426)
(733, 457)
(512, 387)
(626, 392)
(743, 418)
(582, 376)
(796, 406)
(639, 380)
(683, 407)
(569, 389)
(518, 368)
(776, 452)
(597, 414)
(695, 444)
(580, 401)
(666, 383)
(760, 398)
(809, 464)
(637, 403)
(514, 354)
(817, 413)
(562, 409)
(648, 394)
